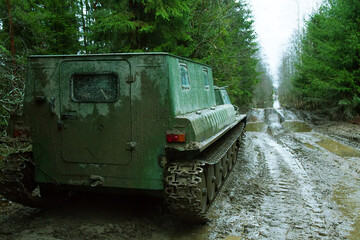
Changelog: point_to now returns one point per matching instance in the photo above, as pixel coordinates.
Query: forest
(216, 32)
(321, 69)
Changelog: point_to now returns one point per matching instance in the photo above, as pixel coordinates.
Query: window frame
(183, 86)
(117, 90)
(225, 96)
(206, 80)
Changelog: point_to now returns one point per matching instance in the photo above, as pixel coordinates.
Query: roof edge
(116, 54)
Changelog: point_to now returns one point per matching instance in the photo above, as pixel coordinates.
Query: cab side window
(225, 97)
(206, 78)
(184, 76)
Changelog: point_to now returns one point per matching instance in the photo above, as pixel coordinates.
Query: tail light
(175, 138)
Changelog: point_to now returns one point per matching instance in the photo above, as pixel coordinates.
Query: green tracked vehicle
(149, 123)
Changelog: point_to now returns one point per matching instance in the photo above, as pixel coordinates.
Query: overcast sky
(275, 21)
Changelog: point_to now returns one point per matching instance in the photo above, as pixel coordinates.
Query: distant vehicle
(149, 123)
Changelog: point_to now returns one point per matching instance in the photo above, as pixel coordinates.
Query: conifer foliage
(327, 62)
(216, 32)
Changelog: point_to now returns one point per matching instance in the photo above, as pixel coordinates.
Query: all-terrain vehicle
(152, 123)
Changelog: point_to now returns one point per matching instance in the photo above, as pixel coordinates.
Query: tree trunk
(84, 27)
(11, 31)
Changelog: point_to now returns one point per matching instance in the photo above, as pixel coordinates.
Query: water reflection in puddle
(232, 238)
(309, 145)
(256, 127)
(296, 126)
(337, 148)
(348, 198)
(290, 126)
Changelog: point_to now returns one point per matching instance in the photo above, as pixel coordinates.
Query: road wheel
(235, 153)
(211, 182)
(225, 165)
(218, 174)
(230, 158)
(201, 193)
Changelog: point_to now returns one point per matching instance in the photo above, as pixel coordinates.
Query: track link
(16, 179)
(192, 186)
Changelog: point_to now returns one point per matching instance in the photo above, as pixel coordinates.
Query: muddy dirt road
(294, 181)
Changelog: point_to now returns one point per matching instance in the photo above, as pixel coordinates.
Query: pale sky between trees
(275, 22)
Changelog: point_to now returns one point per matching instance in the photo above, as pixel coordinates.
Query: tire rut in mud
(281, 190)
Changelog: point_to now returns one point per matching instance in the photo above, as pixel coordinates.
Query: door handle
(70, 115)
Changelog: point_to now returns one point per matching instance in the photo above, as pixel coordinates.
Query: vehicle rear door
(95, 119)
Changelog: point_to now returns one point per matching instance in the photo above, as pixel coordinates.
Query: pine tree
(327, 75)
(141, 25)
(223, 38)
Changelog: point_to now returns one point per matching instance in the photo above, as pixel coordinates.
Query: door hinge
(130, 79)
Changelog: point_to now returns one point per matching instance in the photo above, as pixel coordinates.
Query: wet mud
(295, 180)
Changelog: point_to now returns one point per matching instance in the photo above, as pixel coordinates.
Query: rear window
(94, 87)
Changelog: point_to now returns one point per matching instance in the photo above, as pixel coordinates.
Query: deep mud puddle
(336, 147)
(256, 127)
(348, 199)
(296, 126)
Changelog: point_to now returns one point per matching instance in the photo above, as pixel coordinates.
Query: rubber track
(183, 181)
(16, 179)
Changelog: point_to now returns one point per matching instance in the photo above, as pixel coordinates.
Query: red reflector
(177, 138)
